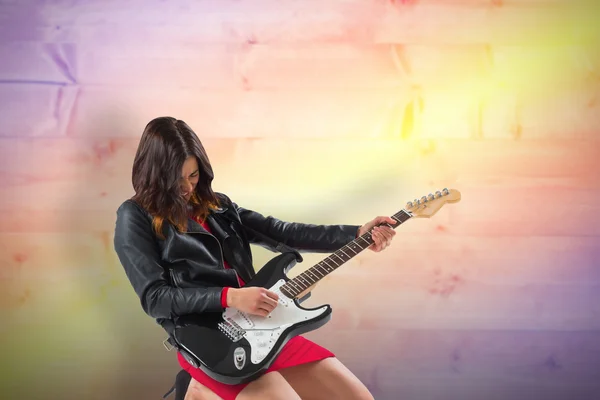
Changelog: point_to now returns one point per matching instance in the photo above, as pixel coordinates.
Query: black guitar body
(224, 348)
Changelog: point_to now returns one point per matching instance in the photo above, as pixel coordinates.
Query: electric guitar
(234, 347)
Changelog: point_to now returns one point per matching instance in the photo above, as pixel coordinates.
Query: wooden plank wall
(325, 112)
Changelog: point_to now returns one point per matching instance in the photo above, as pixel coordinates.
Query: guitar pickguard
(262, 332)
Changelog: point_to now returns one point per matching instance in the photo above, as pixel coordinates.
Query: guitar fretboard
(306, 279)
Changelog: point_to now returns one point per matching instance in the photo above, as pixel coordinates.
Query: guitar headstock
(427, 206)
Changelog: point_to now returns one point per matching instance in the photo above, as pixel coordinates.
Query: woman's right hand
(252, 300)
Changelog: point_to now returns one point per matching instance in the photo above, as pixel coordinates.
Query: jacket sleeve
(300, 236)
(138, 252)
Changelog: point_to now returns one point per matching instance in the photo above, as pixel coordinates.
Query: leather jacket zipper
(218, 244)
(173, 278)
(172, 273)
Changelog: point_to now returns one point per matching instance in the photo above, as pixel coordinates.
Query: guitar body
(233, 347)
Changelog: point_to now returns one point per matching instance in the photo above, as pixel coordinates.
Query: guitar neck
(314, 274)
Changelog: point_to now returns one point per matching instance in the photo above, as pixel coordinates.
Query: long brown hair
(164, 146)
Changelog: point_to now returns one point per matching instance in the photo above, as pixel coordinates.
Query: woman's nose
(186, 186)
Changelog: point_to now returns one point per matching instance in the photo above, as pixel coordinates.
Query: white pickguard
(263, 332)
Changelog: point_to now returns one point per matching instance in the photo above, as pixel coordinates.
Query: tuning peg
(418, 202)
(438, 194)
(424, 199)
(446, 191)
(409, 204)
(430, 197)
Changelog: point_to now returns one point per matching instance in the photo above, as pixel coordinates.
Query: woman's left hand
(382, 235)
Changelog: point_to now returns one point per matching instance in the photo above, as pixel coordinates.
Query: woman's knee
(271, 386)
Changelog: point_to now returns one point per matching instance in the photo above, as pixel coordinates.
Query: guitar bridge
(232, 330)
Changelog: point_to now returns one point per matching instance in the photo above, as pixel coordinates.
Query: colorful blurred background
(324, 112)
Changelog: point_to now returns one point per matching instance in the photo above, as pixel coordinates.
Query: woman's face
(189, 177)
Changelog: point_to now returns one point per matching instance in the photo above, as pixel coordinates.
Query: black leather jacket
(184, 274)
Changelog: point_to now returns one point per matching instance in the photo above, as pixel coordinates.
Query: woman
(186, 249)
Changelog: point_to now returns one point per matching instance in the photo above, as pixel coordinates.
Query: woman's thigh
(271, 386)
(197, 391)
(325, 379)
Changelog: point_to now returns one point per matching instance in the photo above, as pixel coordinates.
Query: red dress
(296, 351)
